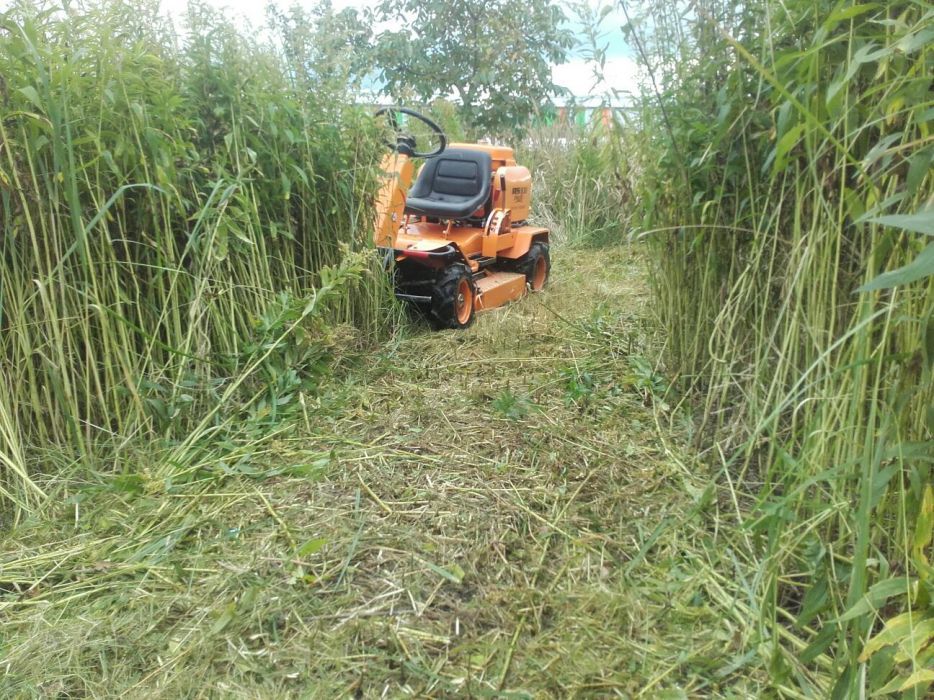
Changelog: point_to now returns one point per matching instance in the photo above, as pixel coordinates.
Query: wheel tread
(443, 312)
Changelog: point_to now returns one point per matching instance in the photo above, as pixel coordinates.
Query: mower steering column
(397, 171)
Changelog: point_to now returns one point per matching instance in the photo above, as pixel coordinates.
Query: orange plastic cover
(518, 190)
(500, 155)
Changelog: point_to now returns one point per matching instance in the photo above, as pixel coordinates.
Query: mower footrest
(483, 262)
(499, 288)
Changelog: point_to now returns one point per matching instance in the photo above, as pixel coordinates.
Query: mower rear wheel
(453, 298)
(535, 265)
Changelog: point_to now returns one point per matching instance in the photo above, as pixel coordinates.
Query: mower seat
(451, 185)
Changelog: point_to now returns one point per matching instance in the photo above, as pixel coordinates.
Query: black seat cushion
(452, 185)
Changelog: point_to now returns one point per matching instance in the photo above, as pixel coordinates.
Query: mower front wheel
(453, 298)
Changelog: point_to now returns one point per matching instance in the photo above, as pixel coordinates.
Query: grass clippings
(414, 539)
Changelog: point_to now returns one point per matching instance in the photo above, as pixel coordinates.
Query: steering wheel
(405, 143)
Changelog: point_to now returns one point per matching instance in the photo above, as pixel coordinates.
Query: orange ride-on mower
(458, 237)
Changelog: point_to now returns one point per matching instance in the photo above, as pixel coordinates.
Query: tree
(494, 57)
(327, 50)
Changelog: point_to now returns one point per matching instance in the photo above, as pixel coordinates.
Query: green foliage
(579, 386)
(784, 185)
(447, 115)
(510, 405)
(327, 51)
(495, 57)
(646, 378)
(156, 199)
(582, 189)
(919, 268)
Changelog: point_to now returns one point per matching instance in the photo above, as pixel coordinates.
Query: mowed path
(489, 513)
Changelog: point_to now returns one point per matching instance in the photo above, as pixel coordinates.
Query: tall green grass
(167, 206)
(780, 140)
(582, 180)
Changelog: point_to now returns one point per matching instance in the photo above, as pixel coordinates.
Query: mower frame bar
(414, 298)
(449, 252)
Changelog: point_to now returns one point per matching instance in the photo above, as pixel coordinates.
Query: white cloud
(253, 12)
(619, 73)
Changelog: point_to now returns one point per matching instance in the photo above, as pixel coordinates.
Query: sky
(620, 70)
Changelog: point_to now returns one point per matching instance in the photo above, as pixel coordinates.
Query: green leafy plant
(513, 406)
(645, 377)
(579, 386)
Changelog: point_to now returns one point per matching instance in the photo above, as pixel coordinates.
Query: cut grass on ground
(493, 512)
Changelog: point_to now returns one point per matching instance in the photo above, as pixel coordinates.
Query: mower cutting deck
(458, 237)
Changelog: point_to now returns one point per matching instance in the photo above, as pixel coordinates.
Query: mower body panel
(522, 239)
(499, 288)
(472, 242)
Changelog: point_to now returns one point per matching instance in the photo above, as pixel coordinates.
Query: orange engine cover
(514, 185)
